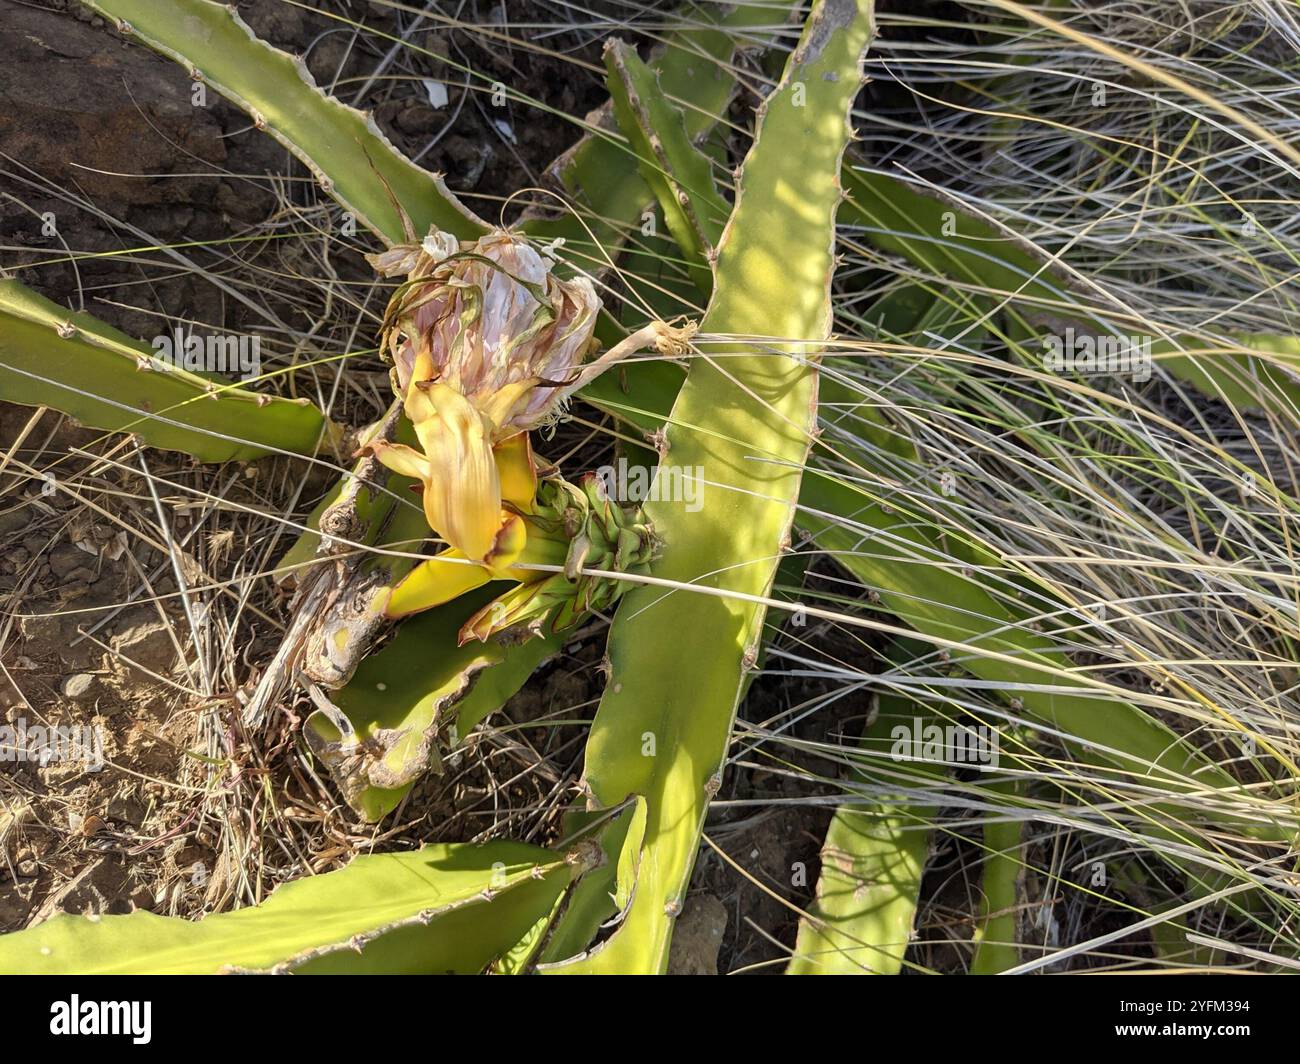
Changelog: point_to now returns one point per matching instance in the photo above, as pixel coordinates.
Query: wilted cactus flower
(486, 344)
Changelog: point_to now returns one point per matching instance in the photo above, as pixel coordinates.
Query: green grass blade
(50, 356)
(444, 908)
(344, 149)
(745, 416)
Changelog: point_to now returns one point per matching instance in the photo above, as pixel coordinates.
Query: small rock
(145, 641)
(78, 685)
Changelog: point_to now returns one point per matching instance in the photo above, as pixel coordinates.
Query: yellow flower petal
(462, 496)
(499, 406)
(517, 470)
(402, 460)
(433, 582)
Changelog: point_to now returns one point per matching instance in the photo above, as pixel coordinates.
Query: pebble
(78, 685)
